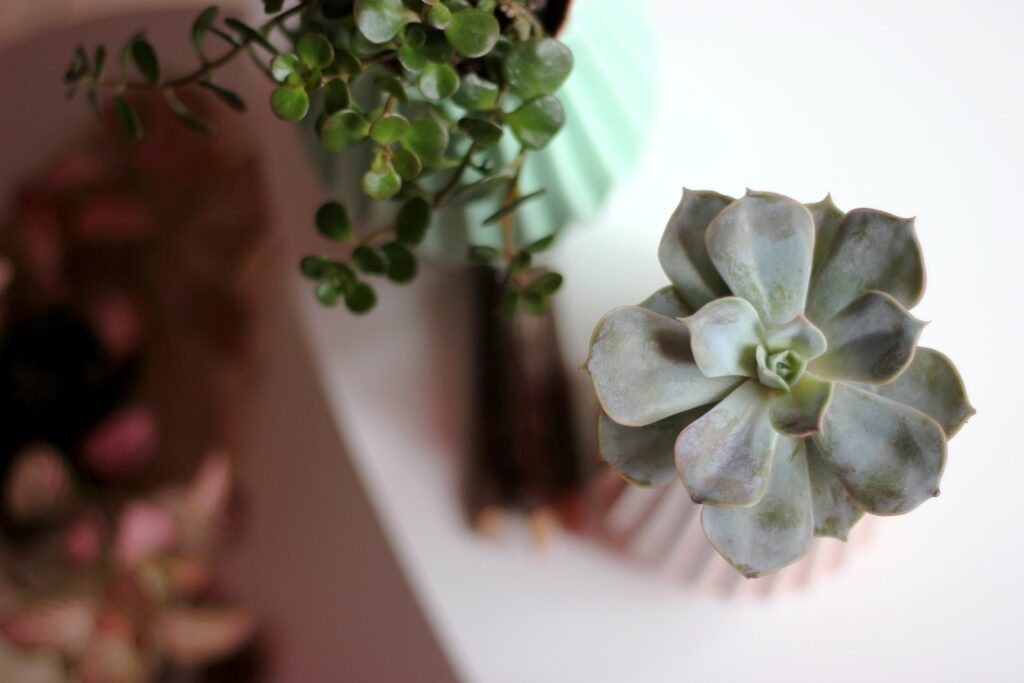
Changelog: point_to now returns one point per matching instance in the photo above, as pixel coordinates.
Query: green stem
(442, 197)
(209, 67)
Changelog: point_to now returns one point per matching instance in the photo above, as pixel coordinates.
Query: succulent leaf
(777, 531)
(835, 512)
(643, 368)
(799, 335)
(763, 245)
(683, 253)
(724, 335)
(827, 218)
(932, 385)
(871, 250)
(889, 456)
(800, 411)
(644, 455)
(872, 340)
(725, 457)
(666, 301)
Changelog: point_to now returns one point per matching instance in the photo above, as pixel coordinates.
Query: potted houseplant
(435, 124)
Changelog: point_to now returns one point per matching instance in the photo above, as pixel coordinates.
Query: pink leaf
(122, 443)
(117, 322)
(38, 488)
(65, 624)
(111, 659)
(211, 489)
(83, 540)
(145, 530)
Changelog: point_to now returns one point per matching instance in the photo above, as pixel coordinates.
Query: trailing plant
(428, 87)
(779, 375)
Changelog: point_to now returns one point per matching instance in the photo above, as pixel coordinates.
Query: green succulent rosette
(779, 376)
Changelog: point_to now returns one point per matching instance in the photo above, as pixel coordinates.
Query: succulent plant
(779, 375)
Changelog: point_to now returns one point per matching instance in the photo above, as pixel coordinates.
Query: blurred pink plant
(123, 443)
(113, 216)
(143, 607)
(38, 488)
(83, 539)
(118, 323)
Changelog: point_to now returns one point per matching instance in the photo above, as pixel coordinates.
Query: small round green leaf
(289, 103)
(333, 222)
(485, 133)
(382, 184)
(146, 60)
(127, 117)
(412, 221)
(427, 139)
(412, 58)
(380, 20)
(413, 36)
(392, 85)
(201, 27)
(537, 67)
(437, 48)
(328, 291)
(389, 128)
(315, 50)
(79, 65)
(481, 254)
(538, 121)
(250, 35)
(283, 65)
(401, 262)
(342, 129)
(345, 63)
(438, 81)
(313, 267)
(535, 303)
(360, 298)
(548, 283)
(439, 16)
(228, 97)
(336, 96)
(369, 260)
(476, 94)
(406, 163)
(509, 303)
(520, 262)
(473, 32)
(99, 61)
(184, 114)
(540, 245)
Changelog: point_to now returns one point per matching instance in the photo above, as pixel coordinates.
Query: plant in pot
(433, 122)
(779, 375)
